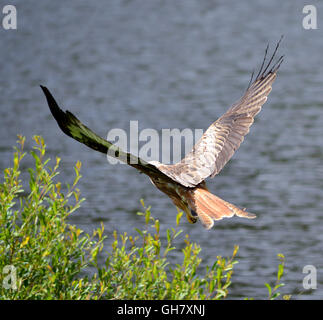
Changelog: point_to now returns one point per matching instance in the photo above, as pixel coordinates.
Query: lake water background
(180, 64)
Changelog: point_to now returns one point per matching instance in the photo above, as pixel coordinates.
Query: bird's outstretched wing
(74, 128)
(224, 136)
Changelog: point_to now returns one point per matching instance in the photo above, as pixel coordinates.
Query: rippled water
(180, 64)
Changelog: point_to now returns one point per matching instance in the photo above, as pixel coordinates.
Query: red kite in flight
(184, 182)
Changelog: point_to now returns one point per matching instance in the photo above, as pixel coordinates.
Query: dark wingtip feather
(263, 61)
(251, 78)
(60, 116)
(270, 67)
(274, 68)
(52, 104)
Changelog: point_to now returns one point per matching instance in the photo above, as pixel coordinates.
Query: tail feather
(209, 207)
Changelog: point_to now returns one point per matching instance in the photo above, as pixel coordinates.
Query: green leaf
(269, 289)
(139, 231)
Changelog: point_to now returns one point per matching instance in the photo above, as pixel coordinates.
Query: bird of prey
(184, 182)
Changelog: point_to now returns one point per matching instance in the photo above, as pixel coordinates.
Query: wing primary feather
(272, 57)
(277, 64)
(263, 62)
(251, 78)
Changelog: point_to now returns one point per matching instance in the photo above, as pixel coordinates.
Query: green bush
(42, 256)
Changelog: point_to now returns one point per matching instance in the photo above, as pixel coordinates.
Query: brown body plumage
(184, 182)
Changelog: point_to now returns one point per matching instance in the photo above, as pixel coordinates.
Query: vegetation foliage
(50, 258)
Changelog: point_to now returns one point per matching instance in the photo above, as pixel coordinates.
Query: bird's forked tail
(208, 207)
